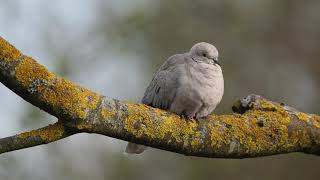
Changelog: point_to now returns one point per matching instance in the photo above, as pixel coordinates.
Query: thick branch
(261, 128)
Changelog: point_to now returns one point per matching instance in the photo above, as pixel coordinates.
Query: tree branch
(258, 128)
(36, 137)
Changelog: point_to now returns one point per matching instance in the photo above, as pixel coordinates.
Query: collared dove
(189, 84)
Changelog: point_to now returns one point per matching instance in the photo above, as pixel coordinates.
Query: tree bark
(258, 127)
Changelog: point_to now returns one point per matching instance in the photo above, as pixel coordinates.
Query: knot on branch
(256, 102)
(253, 102)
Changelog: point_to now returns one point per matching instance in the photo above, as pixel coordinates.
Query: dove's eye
(204, 54)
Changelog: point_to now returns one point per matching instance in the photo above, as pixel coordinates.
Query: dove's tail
(133, 148)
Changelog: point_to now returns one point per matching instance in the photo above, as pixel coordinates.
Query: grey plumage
(189, 84)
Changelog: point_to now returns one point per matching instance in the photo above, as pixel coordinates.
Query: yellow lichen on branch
(258, 131)
(70, 98)
(48, 134)
(29, 70)
(260, 128)
(8, 52)
(253, 131)
(55, 91)
(308, 119)
(106, 114)
(157, 124)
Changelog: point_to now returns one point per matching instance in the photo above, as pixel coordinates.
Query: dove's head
(205, 52)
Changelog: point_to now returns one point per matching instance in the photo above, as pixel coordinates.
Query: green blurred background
(267, 47)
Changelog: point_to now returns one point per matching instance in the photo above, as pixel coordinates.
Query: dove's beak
(215, 60)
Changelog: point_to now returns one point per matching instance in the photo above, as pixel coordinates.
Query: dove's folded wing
(163, 87)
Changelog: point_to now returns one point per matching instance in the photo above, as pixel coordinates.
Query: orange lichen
(8, 52)
(47, 134)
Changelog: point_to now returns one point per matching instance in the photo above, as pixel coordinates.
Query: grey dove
(189, 84)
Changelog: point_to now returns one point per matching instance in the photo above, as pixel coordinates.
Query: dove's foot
(189, 118)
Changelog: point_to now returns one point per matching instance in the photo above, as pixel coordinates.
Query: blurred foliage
(266, 47)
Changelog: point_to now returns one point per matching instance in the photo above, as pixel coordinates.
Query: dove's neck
(206, 70)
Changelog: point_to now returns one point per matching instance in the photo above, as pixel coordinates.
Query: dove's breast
(202, 84)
